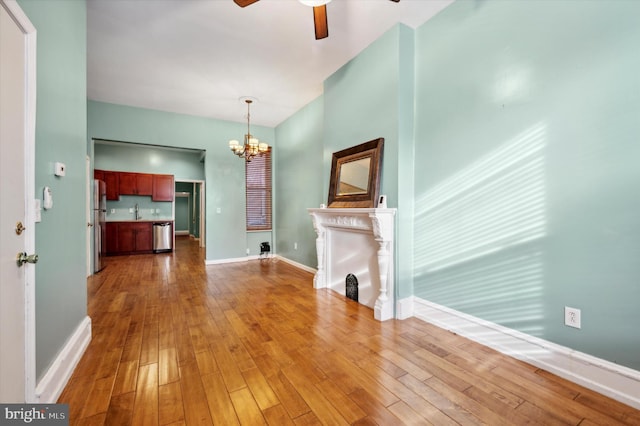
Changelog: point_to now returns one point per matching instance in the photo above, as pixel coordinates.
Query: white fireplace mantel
(358, 241)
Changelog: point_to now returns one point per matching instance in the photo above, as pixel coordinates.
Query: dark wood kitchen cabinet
(112, 182)
(113, 185)
(112, 238)
(135, 237)
(129, 237)
(136, 183)
(159, 187)
(163, 188)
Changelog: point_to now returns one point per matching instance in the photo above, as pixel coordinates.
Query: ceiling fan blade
(320, 21)
(244, 3)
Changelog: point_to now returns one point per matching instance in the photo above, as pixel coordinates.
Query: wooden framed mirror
(355, 175)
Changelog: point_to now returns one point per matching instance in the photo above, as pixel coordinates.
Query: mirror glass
(354, 177)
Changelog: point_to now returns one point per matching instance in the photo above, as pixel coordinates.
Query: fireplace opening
(351, 287)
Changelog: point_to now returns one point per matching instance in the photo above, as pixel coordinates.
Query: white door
(17, 128)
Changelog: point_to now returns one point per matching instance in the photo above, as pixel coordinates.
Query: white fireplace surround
(358, 241)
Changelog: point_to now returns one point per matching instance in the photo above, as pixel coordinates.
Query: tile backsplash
(124, 209)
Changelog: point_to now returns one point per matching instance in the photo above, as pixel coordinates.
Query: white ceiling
(199, 57)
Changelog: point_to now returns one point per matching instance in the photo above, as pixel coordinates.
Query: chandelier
(252, 146)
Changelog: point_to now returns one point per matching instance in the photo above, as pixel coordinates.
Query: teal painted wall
(526, 197)
(183, 213)
(254, 239)
(226, 235)
(371, 97)
(61, 126)
(361, 103)
(406, 163)
(147, 159)
(299, 181)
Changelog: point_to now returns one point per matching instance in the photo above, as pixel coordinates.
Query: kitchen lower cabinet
(143, 236)
(112, 238)
(129, 238)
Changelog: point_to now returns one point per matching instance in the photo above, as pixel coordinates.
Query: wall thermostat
(60, 169)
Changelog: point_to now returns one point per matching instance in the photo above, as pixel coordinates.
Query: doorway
(183, 214)
(190, 209)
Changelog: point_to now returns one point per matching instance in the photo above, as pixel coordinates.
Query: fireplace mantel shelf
(365, 236)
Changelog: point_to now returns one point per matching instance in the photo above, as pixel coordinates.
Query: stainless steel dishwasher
(162, 237)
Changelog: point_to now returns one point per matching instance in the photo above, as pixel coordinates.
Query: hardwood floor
(179, 343)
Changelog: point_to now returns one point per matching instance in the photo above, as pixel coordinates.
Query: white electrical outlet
(295, 246)
(572, 317)
(248, 251)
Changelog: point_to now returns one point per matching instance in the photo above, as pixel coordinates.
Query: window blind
(258, 175)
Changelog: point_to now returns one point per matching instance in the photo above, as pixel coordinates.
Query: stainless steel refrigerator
(99, 224)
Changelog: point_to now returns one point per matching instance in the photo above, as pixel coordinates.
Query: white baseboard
(55, 379)
(405, 308)
(258, 257)
(613, 380)
(231, 260)
(296, 264)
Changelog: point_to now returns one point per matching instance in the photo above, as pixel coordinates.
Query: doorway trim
(88, 210)
(29, 31)
(202, 207)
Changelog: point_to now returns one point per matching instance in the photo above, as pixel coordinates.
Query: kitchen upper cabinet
(163, 188)
(145, 184)
(159, 187)
(111, 181)
(136, 183)
(113, 185)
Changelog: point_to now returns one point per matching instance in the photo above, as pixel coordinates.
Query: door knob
(26, 258)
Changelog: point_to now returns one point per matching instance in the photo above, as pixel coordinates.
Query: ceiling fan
(319, 14)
